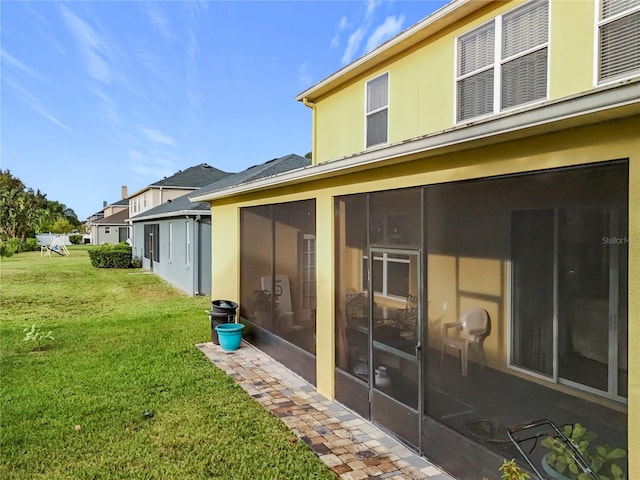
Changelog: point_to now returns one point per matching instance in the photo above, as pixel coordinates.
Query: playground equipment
(56, 246)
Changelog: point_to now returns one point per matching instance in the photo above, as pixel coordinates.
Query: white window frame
(374, 111)
(385, 261)
(602, 23)
(498, 64)
(308, 250)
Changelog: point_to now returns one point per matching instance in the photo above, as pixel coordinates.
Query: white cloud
(15, 64)
(342, 25)
(154, 168)
(157, 136)
(160, 21)
(304, 76)
(390, 28)
(371, 6)
(33, 102)
(355, 39)
(92, 47)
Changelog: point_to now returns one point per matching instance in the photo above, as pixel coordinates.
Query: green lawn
(123, 367)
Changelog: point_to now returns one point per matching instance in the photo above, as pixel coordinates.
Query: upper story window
(503, 63)
(618, 39)
(377, 110)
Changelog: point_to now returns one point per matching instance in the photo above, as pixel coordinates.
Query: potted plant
(561, 464)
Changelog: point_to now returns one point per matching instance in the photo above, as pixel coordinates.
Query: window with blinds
(503, 63)
(377, 110)
(618, 39)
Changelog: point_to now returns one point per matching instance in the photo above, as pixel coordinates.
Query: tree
(61, 225)
(25, 212)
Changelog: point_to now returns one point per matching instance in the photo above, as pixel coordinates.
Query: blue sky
(95, 95)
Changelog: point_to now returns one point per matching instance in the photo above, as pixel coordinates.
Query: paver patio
(349, 445)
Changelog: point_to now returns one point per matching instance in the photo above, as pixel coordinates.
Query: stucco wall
(428, 72)
(615, 140)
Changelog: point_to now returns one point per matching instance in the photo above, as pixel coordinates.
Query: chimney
(104, 204)
(123, 188)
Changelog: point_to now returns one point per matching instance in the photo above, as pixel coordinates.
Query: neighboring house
(109, 224)
(488, 157)
(173, 239)
(178, 184)
(111, 229)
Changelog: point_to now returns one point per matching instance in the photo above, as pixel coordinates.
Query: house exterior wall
(113, 209)
(422, 102)
(597, 143)
(176, 263)
(100, 236)
(152, 197)
(428, 71)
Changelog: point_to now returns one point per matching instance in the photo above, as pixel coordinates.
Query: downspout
(312, 106)
(196, 252)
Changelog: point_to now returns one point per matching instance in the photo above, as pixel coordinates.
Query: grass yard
(123, 367)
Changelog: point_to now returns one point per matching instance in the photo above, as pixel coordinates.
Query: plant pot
(229, 335)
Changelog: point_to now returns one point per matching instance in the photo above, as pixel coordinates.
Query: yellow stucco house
(463, 253)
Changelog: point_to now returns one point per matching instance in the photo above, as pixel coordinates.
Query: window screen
(377, 110)
(517, 72)
(619, 39)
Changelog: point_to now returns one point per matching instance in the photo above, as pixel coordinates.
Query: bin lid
(225, 304)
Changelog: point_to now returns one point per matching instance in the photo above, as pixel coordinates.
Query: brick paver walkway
(349, 445)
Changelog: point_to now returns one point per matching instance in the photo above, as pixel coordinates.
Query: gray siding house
(173, 239)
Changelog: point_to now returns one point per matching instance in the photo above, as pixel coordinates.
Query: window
(377, 110)
(503, 64)
(390, 274)
(308, 263)
(107, 229)
(618, 39)
(152, 242)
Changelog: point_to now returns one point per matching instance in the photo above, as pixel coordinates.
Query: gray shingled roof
(182, 204)
(121, 202)
(117, 218)
(192, 177)
(267, 169)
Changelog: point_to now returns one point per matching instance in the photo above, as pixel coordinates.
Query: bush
(75, 239)
(111, 256)
(10, 246)
(5, 249)
(29, 245)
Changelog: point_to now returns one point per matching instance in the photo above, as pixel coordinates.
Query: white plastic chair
(469, 331)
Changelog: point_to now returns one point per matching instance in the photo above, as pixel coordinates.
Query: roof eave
(180, 213)
(603, 104)
(437, 21)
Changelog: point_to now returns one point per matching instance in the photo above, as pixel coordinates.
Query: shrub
(75, 239)
(29, 245)
(5, 249)
(111, 256)
(13, 244)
